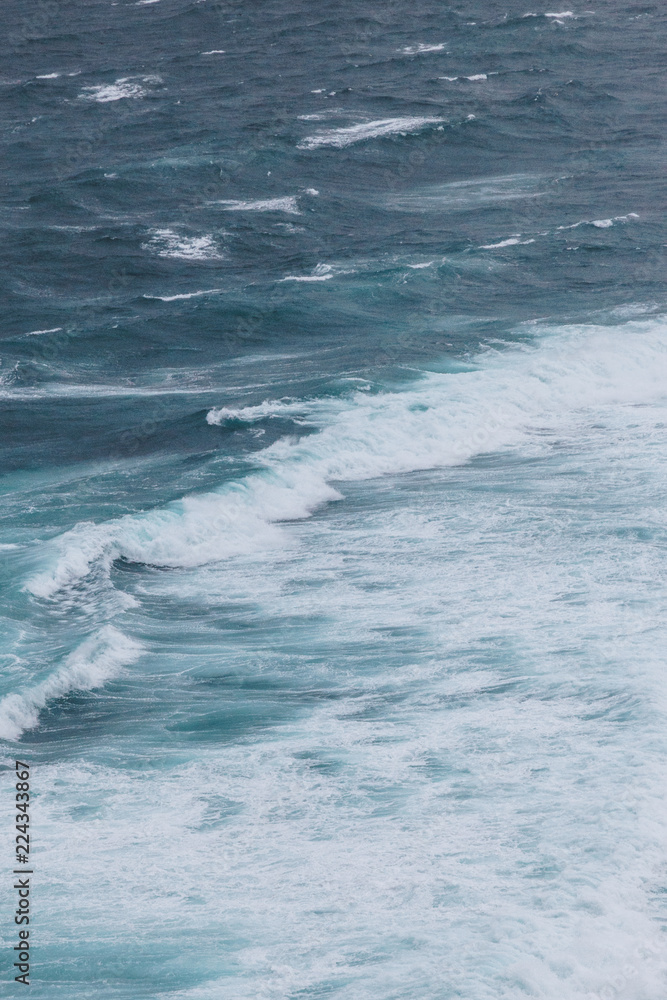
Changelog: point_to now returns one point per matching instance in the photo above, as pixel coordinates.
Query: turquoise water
(333, 408)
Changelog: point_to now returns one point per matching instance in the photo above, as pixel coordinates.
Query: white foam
(341, 137)
(561, 18)
(512, 241)
(168, 243)
(250, 414)
(523, 397)
(37, 333)
(124, 87)
(48, 76)
(461, 195)
(417, 267)
(113, 91)
(214, 52)
(307, 277)
(418, 50)
(186, 295)
(475, 78)
(602, 223)
(91, 665)
(323, 272)
(286, 204)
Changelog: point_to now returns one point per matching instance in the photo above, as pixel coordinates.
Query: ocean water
(333, 396)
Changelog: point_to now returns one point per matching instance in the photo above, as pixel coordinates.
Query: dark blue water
(333, 408)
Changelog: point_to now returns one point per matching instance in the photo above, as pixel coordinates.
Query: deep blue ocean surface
(333, 398)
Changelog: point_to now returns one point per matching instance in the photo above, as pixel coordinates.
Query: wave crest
(524, 396)
(341, 137)
(92, 664)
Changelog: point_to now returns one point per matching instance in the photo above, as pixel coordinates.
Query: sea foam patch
(602, 223)
(168, 243)
(323, 272)
(124, 87)
(469, 194)
(422, 48)
(475, 78)
(182, 296)
(250, 414)
(512, 241)
(287, 204)
(338, 138)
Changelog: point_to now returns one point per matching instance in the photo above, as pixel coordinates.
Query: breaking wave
(92, 664)
(524, 396)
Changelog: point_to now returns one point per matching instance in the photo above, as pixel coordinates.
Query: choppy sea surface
(334, 404)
